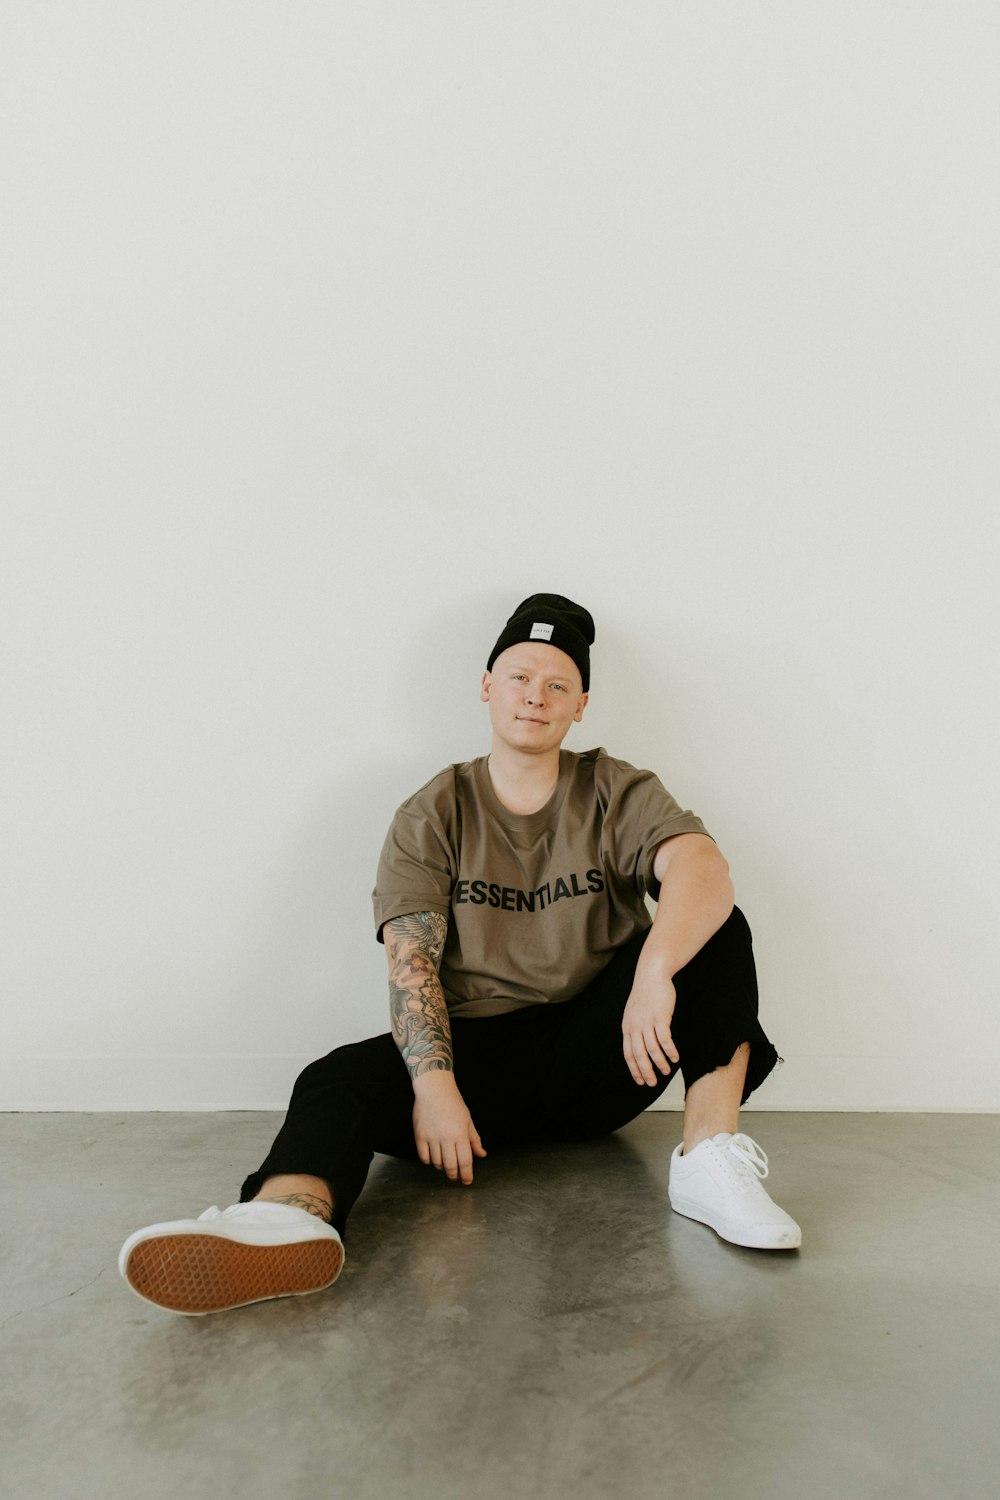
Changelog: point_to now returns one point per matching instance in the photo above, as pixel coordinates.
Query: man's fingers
(465, 1163)
(657, 1054)
(639, 1065)
(647, 1059)
(450, 1155)
(648, 1070)
(631, 1062)
(658, 1061)
(666, 1041)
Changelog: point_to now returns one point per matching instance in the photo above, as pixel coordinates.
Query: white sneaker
(232, 1256)
(719, 1183)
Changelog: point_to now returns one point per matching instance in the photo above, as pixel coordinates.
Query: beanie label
(541, 632)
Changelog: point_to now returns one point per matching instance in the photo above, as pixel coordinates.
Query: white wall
(333, 330)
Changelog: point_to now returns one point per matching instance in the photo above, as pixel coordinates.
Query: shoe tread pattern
(202, 1273)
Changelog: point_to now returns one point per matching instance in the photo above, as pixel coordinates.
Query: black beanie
(556, 622)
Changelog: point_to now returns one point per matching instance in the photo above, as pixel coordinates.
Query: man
(530, 997)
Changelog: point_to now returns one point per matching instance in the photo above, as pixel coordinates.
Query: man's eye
(558, 687)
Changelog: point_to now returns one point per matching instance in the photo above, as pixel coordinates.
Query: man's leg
(724, 1055)
(344, 1107)
(284, 1237)
(716, 1176)
(311, 1193)
(724, 1051)
(712, 1103)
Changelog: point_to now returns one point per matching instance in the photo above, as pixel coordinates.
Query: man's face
(535, 693)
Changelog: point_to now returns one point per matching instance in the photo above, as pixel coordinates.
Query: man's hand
(646, 1038)
(443, 1130)
(696, 897)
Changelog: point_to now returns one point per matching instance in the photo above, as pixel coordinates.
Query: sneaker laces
(749, 1156)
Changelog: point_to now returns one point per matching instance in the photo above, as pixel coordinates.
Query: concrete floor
(554, 1331)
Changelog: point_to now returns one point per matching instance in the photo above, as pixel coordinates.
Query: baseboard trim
(229, 1081)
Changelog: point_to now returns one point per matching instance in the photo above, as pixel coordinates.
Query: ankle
(695, 1134)
(309, 1193)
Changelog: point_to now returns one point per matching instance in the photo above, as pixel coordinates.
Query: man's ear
(484, 691)
(584, 700)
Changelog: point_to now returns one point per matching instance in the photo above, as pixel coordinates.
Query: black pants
(541, 1073)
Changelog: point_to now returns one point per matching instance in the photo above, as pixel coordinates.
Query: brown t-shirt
(537, 903)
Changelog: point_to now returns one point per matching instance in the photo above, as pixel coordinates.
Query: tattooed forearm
(417, 1007)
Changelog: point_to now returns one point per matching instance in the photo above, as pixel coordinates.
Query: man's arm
(696, 898)
(417, 1008)
(443, 1130)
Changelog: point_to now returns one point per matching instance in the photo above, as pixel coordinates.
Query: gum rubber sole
(202, 1273)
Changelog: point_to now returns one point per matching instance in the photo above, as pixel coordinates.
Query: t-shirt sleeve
(640, 814)
(417, 868)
